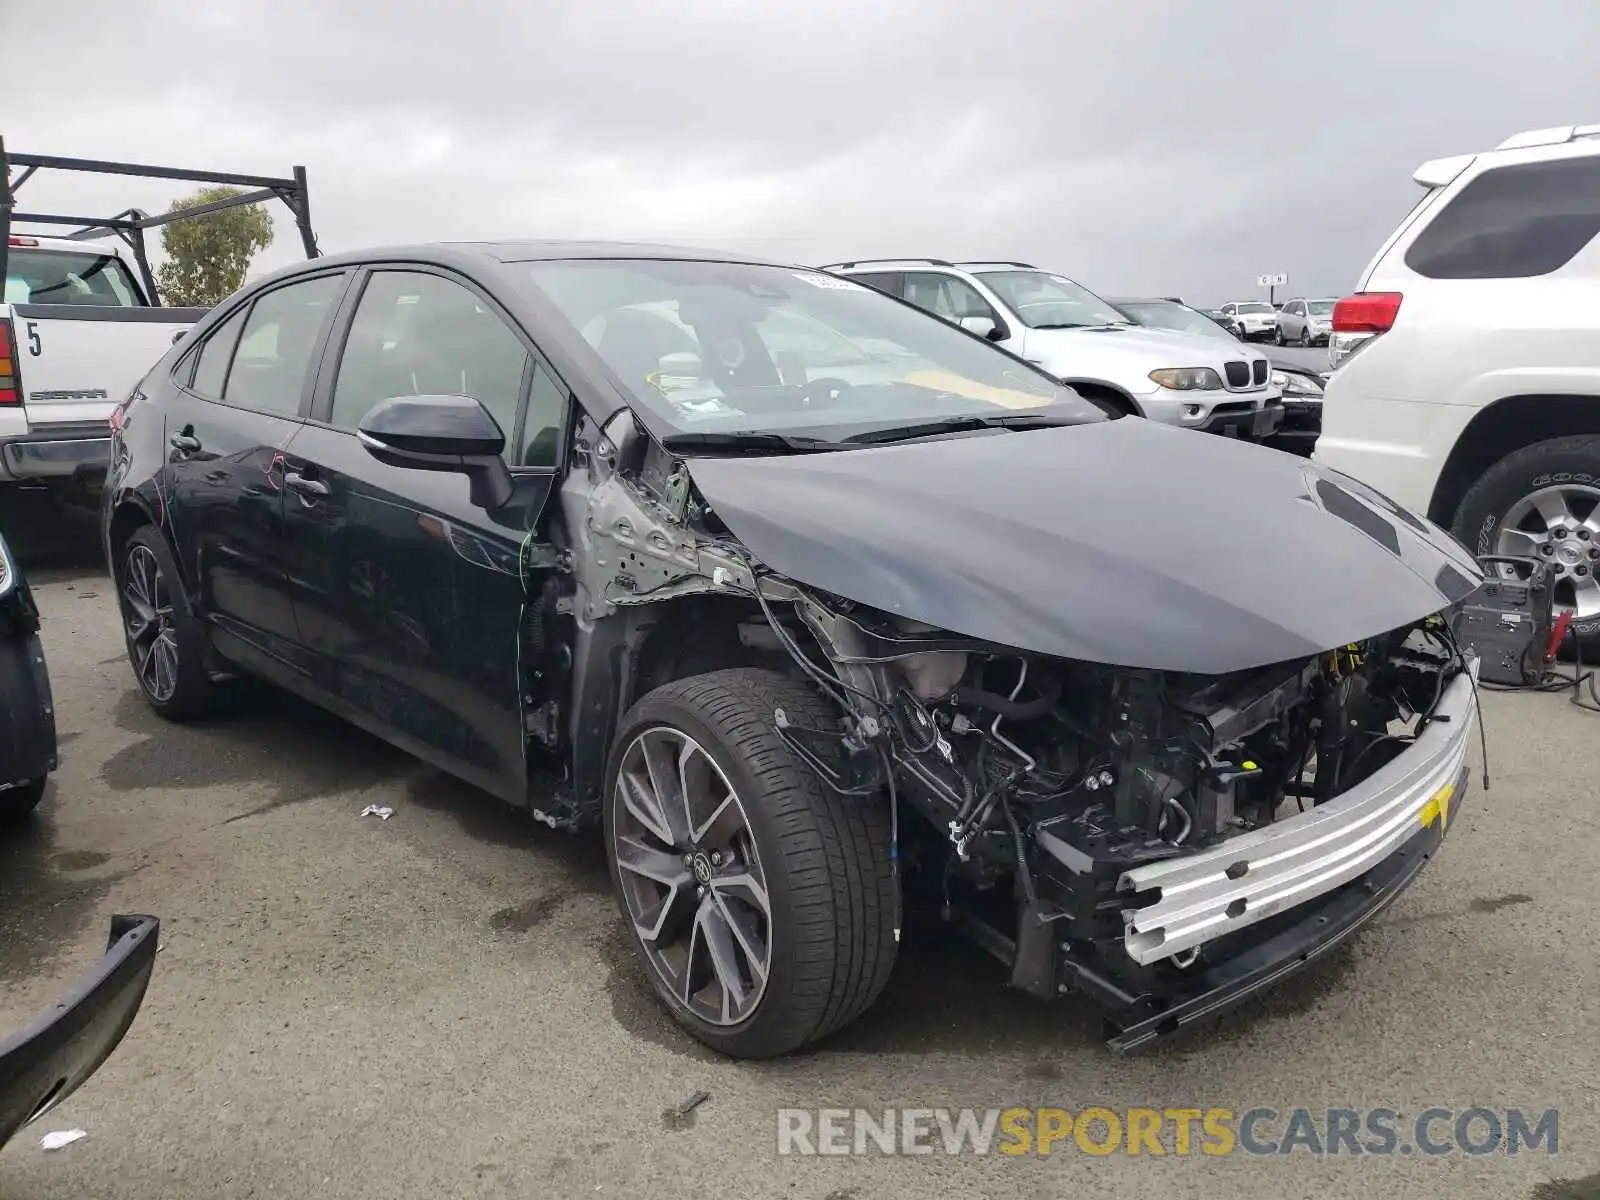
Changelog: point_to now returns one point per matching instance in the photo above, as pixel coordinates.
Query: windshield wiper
(960, 425)
(748, 440)
(1084, 325)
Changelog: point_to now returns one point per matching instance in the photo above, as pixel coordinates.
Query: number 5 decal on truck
(35, 347)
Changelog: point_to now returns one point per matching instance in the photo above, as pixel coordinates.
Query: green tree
(207, 257)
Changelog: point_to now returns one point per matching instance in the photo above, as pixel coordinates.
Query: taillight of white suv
(1366, 312)
(1358, 319)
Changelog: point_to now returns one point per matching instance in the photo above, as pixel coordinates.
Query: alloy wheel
(690, 876)
(1561, 526)
(147, 620)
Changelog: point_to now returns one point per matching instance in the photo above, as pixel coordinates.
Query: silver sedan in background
(1303, 322)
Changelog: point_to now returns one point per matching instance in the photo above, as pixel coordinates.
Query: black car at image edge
(814, 606)
(48, 1059)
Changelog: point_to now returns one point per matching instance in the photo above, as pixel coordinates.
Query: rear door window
(276, 346)
(1513, 222)
(211, 371)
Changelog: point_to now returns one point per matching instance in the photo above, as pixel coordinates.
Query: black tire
(18, 802)
(829, 874)
(193, 694)
(1277, 336)
(1574, 459)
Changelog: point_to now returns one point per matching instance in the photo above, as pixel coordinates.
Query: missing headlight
(934, 674)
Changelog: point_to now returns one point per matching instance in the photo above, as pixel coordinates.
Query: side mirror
(984, 327)
(441, 433)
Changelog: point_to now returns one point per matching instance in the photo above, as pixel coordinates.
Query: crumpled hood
(1124, 542)
(1129, 354)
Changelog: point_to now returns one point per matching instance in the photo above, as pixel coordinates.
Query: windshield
(68, 277)
(1255, 306)
(711, 347)
(1164, 314)
(1044, 301)
(1320, 308)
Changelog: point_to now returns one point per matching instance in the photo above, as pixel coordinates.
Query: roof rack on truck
(130, 224)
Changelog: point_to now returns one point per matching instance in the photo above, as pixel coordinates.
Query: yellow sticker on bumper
(1438, 807)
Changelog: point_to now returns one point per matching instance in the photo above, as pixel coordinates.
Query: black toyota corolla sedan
(802, 596)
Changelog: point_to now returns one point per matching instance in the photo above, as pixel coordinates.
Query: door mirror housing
(984, 327)
(441, 433)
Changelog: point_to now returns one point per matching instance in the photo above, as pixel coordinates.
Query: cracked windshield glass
(728, 347)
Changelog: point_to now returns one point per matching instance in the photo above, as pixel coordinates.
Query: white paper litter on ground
(56, 1139)
(382, 811)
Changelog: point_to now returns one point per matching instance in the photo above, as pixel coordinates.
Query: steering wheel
(825, 392)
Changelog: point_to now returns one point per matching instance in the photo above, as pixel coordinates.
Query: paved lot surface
(441, 1004)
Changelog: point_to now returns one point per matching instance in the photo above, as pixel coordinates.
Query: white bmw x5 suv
(1050, 320)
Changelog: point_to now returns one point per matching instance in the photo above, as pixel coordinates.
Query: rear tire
(1564, 473)
(17, 803)
(829, 880)
(166, 640)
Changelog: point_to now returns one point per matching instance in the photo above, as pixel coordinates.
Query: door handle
(187, 443)
(309, 487)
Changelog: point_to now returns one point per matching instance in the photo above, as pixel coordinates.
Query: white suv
(1467, 380)
(1179, 379)
(1257, 320)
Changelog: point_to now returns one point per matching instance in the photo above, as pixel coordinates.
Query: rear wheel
(1543, 502)
(165, 639)
(761, 904)
(16, 803)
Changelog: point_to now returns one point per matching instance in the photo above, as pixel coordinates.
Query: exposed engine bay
(1047, 780)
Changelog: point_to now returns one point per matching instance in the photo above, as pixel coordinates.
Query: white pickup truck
(79, 325)
(76, 333)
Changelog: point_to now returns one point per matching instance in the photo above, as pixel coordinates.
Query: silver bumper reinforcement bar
(1258, 874)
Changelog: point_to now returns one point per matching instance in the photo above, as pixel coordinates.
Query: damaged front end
(1165, 844)
(1164, 838)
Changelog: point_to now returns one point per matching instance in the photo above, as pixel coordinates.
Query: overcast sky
(1174, 146)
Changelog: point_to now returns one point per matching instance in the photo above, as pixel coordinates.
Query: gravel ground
(442, 1004)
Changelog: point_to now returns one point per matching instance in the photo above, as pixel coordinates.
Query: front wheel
(1543, 502)
(762, 904)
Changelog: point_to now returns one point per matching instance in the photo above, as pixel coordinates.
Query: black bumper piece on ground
(45, 1062)
(1294, 941)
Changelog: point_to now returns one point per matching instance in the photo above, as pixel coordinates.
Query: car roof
(535, 250)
